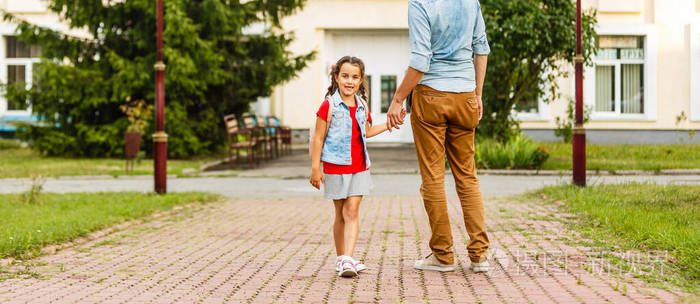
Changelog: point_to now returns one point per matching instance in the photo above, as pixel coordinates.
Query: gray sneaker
(479, 267)
(432, 263)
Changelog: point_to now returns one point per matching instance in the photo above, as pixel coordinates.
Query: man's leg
(429, 127)
(460, 154)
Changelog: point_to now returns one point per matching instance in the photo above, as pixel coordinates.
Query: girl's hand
(317, 178)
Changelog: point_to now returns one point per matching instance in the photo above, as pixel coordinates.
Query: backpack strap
(364, 104)
(328, 117)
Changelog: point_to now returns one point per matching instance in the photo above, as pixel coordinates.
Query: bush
(518, 153)
(214, 68)
(9, 144)
(565, 124)
(533, 43)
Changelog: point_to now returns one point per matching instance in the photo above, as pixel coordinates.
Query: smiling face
(349, 79)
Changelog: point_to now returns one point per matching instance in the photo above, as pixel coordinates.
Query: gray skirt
(342, 186)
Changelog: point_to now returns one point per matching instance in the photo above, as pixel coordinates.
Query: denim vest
(337, 147)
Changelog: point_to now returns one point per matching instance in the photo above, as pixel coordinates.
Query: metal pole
(160, 138)
(579, 133)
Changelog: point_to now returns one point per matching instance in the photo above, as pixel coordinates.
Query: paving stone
(263, 251)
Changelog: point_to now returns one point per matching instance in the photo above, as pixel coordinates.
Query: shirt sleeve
(419, 36)
(369, 117)
(323, 110)
(480, 44)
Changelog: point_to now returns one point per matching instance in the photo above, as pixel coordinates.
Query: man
(447, 68)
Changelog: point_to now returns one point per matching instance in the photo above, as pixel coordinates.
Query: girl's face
(349, 79)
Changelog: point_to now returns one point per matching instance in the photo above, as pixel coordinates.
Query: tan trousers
(443, 123)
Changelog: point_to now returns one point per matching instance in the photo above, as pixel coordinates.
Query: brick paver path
(267, 251)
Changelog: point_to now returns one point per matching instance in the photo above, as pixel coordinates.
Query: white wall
(670, 22)
(295, 102)
(24, 6)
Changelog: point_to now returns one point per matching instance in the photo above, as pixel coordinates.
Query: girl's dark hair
(336, 70)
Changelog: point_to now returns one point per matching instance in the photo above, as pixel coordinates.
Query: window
(16, 75)
(619, 75)
(528, 104)
(533, 107)
(621, 84)
(368, 90)
(388, 86)
(18, 69)
(18, 49)
(605, 88)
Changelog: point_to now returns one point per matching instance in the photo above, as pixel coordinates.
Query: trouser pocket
(472, 114)
(428, 106)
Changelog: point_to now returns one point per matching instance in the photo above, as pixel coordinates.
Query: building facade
(17, 59)
(644, 85)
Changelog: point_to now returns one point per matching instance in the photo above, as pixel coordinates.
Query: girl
(343, 151)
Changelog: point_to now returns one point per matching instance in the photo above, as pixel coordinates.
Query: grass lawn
(643, 218)
(23, 162)
(55, 218)
(625, 157)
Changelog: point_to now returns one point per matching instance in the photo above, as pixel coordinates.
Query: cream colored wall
(36, 12)
(296, 101)
(23, 6)
(671, 19)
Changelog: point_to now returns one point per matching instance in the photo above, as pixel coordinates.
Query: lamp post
(579, 133)
(160, 138)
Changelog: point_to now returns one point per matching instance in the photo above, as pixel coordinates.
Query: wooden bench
(240, 138)
(283, 133)
(251, 122)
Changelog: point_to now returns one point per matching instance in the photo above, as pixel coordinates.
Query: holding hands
(395, 115)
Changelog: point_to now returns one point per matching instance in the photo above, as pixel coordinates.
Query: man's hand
(481, 106)
(317, 178)
(395, 115)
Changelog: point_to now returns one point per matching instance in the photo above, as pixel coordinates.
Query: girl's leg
(339, 227)
(351, 210)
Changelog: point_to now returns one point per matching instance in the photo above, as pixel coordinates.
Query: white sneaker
(359, 266)
(479, 267)
(432, 263)
(338, 262)
(347, 268)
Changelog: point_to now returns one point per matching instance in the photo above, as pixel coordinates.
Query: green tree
(532, 42)
(215, 66)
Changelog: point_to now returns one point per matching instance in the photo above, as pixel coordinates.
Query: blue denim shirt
(444, 35)
(337, 148)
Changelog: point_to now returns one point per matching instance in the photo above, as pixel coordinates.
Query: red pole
(160, 138)
(579, 133)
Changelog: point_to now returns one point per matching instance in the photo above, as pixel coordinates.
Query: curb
(590, 172)
(243, 173)
(89, 177)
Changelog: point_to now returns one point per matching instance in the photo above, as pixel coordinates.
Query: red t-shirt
(357, 152)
